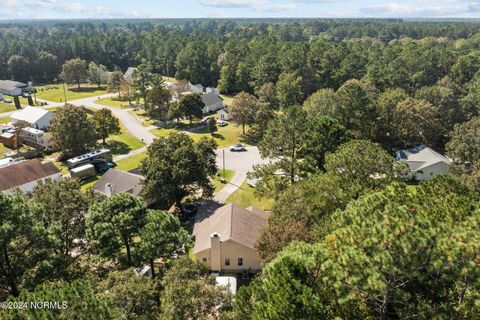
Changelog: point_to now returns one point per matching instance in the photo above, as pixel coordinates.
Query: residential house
(128, 74)
(424, 163)
(37, 118)
(13, 88)
(196, 88)
(225, 241)
(223, 114)
(212, 102)
(117, 181)
(26, 175)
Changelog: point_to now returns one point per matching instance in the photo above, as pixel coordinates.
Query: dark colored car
(188, 211)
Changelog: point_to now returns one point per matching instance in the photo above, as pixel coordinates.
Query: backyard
(219, 185)
(245, 197)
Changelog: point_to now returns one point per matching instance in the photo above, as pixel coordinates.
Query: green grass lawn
(6, 107)
(227, 100)
(55, 92)
(109, 102)
(5, 120)
(3, 150)
(216, 180)
(131, 162)
(225, 136)
(143, 117)
(124, 142)
(88, 183)
(245, 197)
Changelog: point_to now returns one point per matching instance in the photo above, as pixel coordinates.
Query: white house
(196, 88)
(424, 163)
(13, 88)
(128, 74)
(38, 118)
(25, 175)
(223, 114)
(212, 102)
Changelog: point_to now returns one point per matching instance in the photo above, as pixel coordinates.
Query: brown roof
(231, 222)
(25, 172)
(121, 181)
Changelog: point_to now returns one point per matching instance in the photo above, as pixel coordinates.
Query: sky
(107, 9)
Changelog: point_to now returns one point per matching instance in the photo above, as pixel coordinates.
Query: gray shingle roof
(210, 99)
(25, 172)
(121, 181)
(421, 157)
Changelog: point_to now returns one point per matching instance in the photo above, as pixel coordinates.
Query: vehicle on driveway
(7, 100)
(238, 147)
(222, 123)
(188, 211)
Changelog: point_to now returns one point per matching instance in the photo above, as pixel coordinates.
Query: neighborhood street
(239, 162)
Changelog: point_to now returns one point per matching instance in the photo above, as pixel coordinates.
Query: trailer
(98, 156)
(83, 172)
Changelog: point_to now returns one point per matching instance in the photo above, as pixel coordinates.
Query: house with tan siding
(225, 241)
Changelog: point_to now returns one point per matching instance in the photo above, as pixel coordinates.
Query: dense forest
(330, 100)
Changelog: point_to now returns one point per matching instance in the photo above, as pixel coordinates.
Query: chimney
(215, 257)
(108, 189)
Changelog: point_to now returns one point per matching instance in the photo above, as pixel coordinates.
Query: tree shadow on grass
(85, 89)
(118, 147)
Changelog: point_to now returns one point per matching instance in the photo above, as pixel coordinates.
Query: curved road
(240, 162)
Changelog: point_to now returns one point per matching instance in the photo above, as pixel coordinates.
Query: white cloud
(8, 3)
(55, 5)
(257, 5)
(394, 9)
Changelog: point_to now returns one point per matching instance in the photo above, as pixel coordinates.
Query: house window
(227, 261)
(431, 173)
(204, 259)
(240, 262)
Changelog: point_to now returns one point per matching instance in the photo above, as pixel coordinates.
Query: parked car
(7, 100)
(188, 211)
(222, 123)
(102, 167)
(238, 147)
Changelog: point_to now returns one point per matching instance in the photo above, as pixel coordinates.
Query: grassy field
(5, 120)
(225, 136)
(132, 162)
(228, 176)
(227, 100)
(245, 197)
(55, 92)
(109, 102)
(123, 143)
(88, 183)
(3, 149)
(6, 107)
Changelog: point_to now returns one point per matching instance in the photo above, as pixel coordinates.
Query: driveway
(241, 163)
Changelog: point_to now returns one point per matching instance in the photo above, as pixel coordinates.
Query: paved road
(240, 162)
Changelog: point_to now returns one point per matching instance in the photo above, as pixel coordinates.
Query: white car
(7, 100)
(238, 147)
(253, 182)
(221, 123)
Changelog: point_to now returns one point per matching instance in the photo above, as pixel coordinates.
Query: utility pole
(224, 164)
(34, 94)
(64, 93)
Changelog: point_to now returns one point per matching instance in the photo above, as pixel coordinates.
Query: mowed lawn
(216, 180)
(5, 120)
(6, 107)
(55, 92)
(225, 136)
(245, 197)
(109, 102)
(124, 142)
(131, 162)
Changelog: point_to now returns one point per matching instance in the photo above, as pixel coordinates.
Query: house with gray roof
(424, 163)
(13, 88)
(212, 102)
